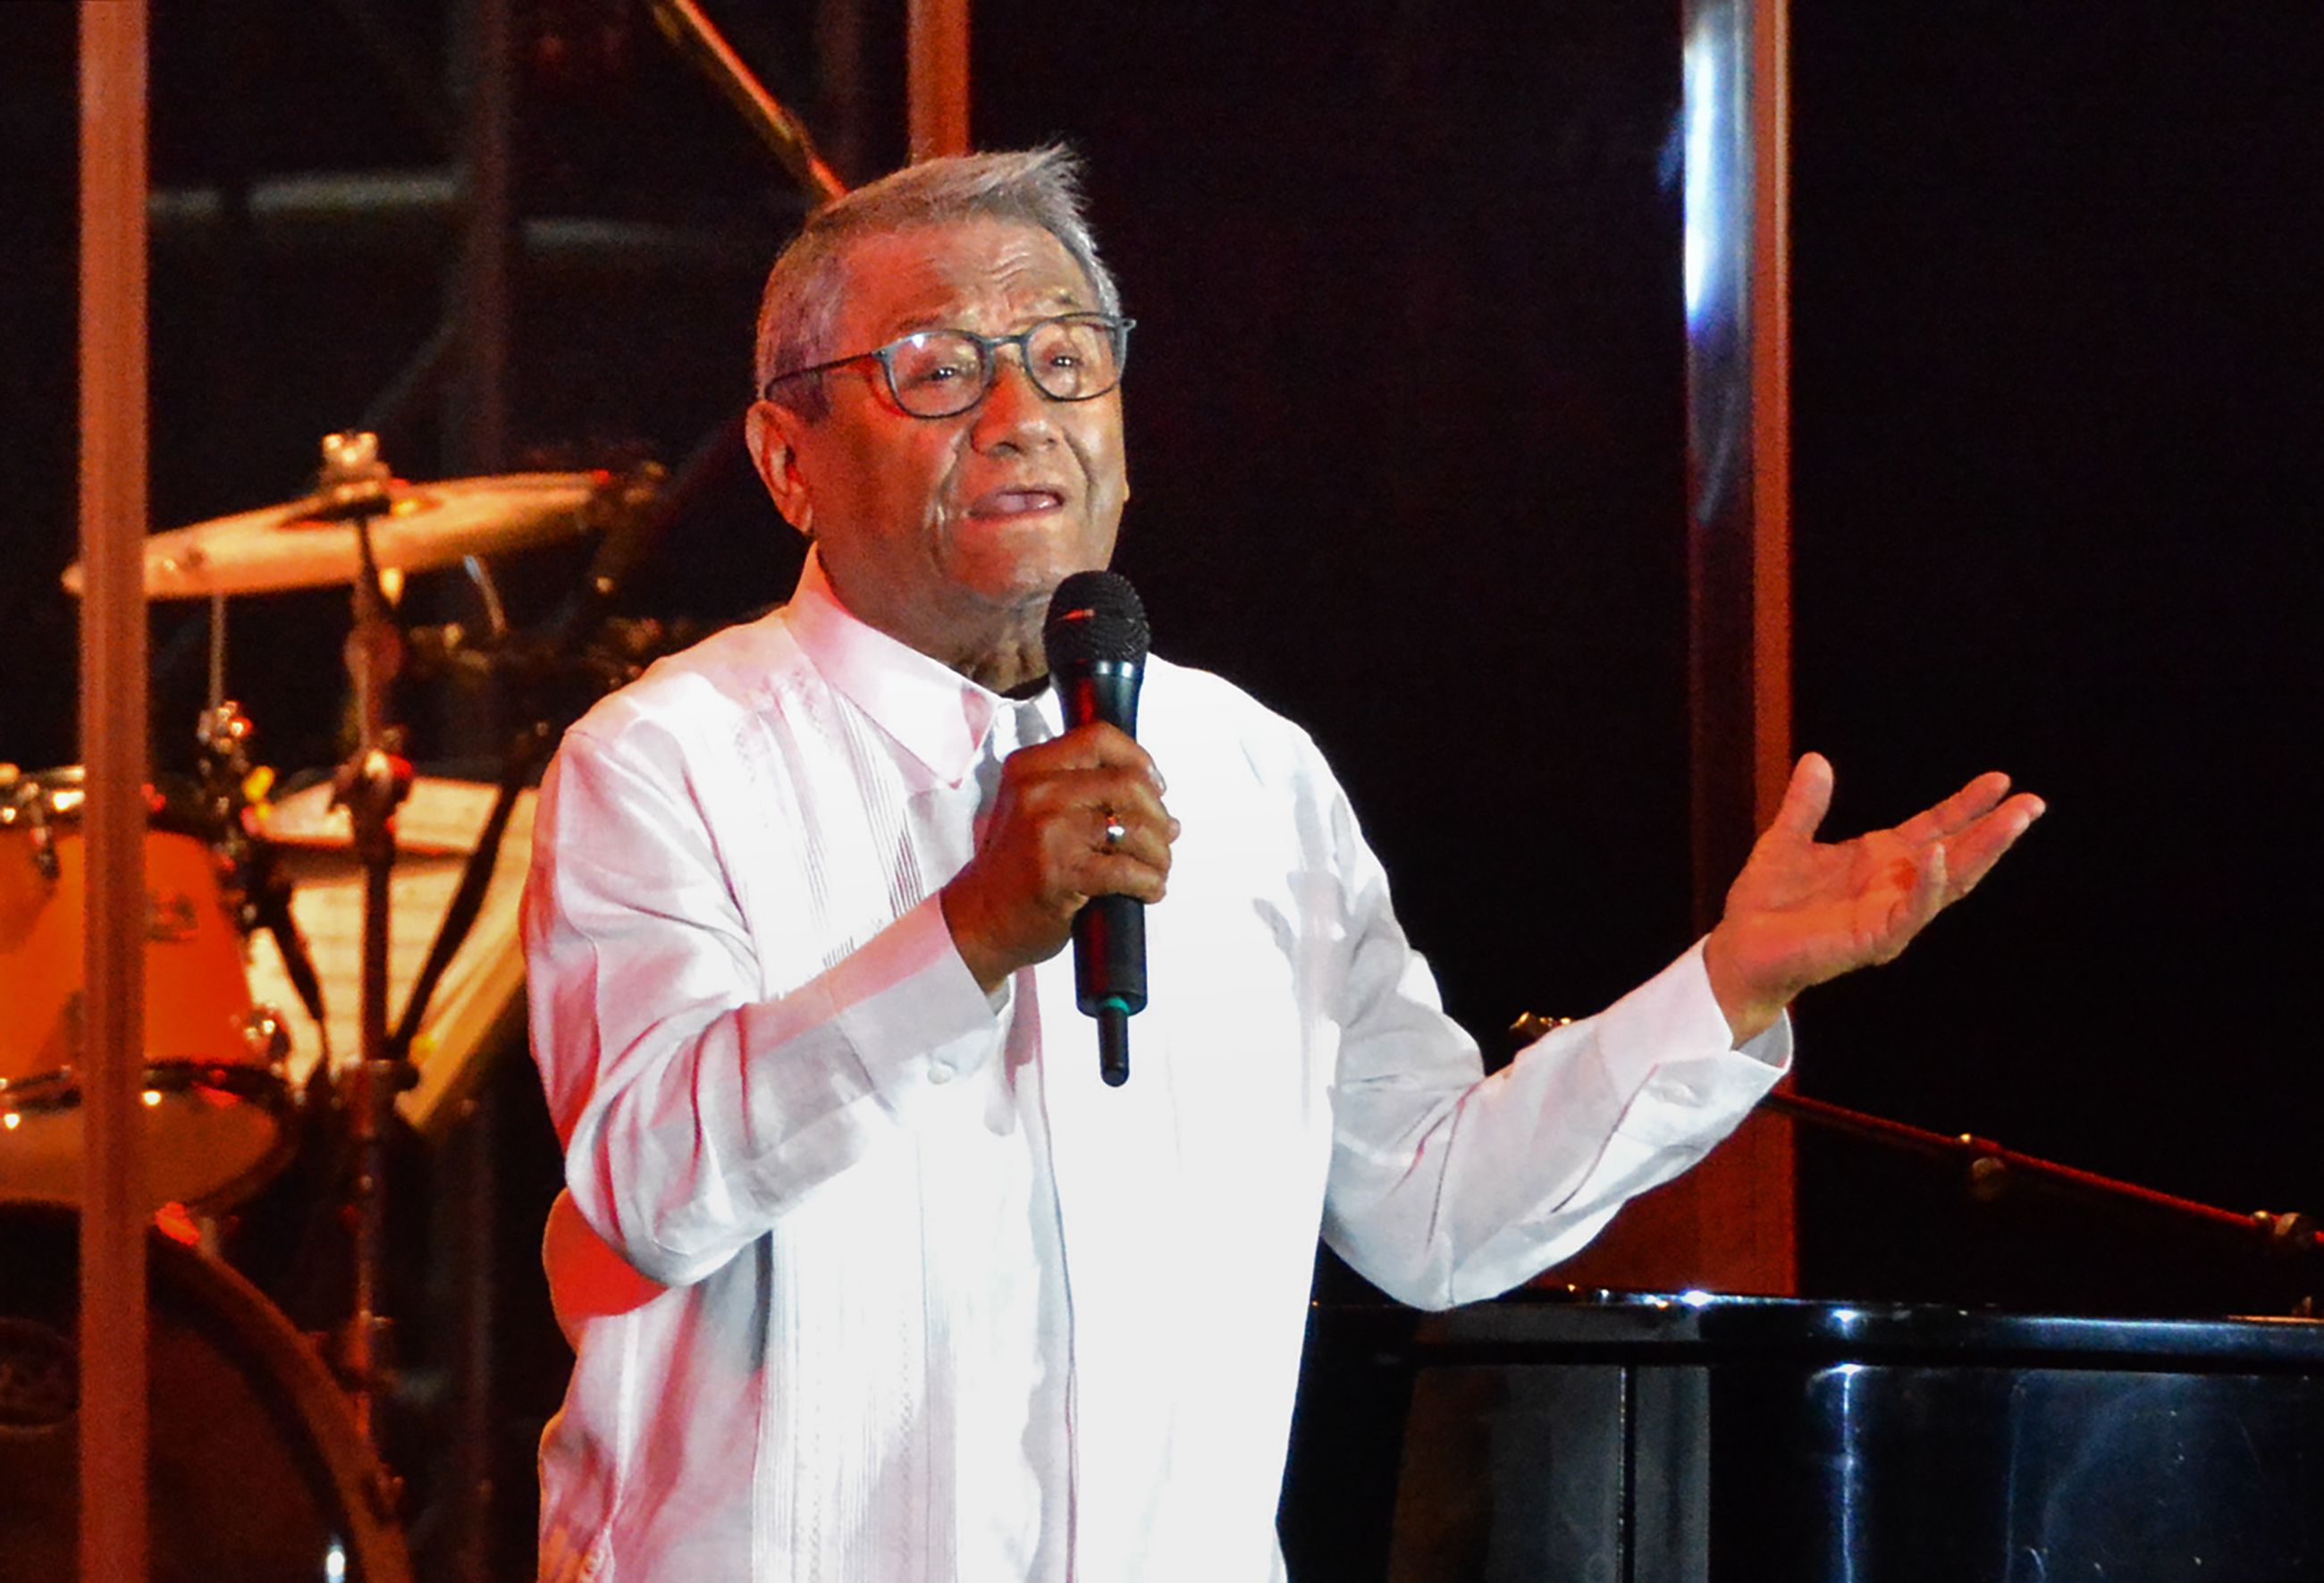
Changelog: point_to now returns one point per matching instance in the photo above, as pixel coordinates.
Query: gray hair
(799, 313)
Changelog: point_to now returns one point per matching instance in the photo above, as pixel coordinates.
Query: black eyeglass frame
(988, 350)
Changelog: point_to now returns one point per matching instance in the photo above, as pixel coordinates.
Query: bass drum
(255, 1472)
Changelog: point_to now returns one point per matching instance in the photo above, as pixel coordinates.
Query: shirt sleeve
(693, 1109)
(1448, 1186)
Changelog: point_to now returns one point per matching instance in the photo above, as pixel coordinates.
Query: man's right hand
(1045, 852)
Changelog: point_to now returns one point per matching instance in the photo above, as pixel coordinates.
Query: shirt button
(939, 1072)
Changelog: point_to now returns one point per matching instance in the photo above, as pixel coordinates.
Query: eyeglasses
(941, 373)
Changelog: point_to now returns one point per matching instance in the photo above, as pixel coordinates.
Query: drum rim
(58, 1091)
(280, 1360)
(174, 803)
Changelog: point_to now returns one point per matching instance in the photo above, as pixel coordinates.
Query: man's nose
(1013, 404)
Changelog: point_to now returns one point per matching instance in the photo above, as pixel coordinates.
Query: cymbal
(426, 525)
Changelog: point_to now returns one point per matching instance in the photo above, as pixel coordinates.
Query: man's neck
(1003, 658)
(1018, 669)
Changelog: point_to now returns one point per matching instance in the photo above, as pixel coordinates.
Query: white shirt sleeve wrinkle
(695, 1112)
(1448, 1186)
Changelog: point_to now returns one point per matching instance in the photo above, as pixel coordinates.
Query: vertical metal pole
(1771, 406)
(1741, 1205)
(112, 512)
(840, 27)
(936, 38)
(475, 1166)
(480, 290)
(1727, 1224)
(477, 439)
(1739, 532)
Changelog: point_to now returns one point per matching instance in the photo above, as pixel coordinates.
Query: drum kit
(227, 1092)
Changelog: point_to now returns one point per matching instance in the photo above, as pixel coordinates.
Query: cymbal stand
(635, 522)
(227, 778)
(371, 785)
(527, 675)
(217, 651)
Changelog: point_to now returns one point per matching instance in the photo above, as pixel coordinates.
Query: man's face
(950, 533)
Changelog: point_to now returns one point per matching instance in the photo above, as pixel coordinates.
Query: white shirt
(870, 1278)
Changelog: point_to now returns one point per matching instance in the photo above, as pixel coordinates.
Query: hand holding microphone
(1078, 838)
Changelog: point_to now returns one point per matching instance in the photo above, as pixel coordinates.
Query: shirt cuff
(908, 1005)
(1667, 1043)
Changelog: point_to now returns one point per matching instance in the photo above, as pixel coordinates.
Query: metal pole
(1739, 550)
(1739, 417)
(113, 512)
(1771, 405)
(477, 439)
(683, 23)
(473, 1153)
(841, 27)
(936, 35)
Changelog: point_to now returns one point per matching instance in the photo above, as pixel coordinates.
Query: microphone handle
(1107, 690)
(1110, 955)
(1109, 930)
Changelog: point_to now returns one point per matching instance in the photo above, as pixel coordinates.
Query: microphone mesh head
(1094, 616)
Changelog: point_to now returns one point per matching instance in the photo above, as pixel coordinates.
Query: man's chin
(1027, 582)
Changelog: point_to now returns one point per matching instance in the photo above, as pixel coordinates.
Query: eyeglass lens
(939, 373)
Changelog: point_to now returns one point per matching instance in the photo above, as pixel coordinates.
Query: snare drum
(216, 1104)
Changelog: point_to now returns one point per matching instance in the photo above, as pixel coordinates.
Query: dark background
(1405, 410)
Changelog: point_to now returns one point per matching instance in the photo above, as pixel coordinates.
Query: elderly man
(868, 1275)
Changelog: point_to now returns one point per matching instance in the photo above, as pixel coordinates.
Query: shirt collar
(932, 712)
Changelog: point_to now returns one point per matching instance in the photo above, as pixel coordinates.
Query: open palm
(1803, 911)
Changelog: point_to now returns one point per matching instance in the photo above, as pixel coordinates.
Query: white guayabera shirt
(870, 1277)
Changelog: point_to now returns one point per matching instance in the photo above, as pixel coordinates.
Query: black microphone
(1096, 641)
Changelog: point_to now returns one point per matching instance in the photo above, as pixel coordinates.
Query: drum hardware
(525, 755)
(44, 840)
(231, 786)
(355, 488)
(363, 528)
(374, 781)
(488, 593)
(583, 640)
(360, 526)
(262, 1032)
(612, 657)
(216, 1097)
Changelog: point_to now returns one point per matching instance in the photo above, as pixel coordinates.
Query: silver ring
(1115, 831)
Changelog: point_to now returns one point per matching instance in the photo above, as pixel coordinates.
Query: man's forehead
(901, 280)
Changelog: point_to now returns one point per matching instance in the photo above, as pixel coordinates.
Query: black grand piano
(1596, 1437)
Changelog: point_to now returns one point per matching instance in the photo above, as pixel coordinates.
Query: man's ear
(772, 432)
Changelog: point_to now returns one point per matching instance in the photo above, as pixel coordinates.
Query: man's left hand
(1804, 911)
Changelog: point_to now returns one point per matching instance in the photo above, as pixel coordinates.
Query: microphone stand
(1990, 1170)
